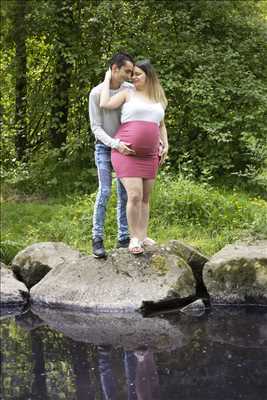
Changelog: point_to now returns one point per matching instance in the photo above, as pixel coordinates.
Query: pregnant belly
(142, 136)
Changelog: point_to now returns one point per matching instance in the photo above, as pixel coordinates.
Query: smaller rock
(191, 255)
(13, 292)
(196, 309)
(33, 263)
(237, 274)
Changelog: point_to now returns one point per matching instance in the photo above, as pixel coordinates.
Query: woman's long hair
(154, 89)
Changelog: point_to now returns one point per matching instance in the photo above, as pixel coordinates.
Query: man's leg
(108, 383)
(123, 234)
(103, 163)
(130, 363)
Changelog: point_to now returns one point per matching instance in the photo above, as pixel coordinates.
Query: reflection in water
(108, 383)
(39, 389)
(140, 370)
(81, 370)
(146, 380)
(224, 358)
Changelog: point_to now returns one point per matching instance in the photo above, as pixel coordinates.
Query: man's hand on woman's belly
(124, 148)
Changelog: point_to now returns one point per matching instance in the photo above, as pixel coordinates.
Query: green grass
(199, 214)
(205, 216)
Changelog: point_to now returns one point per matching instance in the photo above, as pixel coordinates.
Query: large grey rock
(34, 262)
(192, 257)
(122, 282)
(13, 292)
(238, 274)
(127, 330)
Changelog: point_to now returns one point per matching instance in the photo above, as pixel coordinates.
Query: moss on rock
(235, 274)
(186, 280)
(159, 263)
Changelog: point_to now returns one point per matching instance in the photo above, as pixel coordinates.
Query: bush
(52, 173)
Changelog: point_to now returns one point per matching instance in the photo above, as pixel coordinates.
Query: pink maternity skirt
(143, 137)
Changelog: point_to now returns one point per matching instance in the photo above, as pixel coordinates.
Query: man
(104, 124)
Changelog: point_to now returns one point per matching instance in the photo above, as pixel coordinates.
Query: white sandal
(148, 242)
(135, 246)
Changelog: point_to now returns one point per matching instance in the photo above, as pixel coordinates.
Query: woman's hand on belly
(143, 137)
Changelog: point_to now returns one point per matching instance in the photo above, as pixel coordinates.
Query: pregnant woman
(143, 130)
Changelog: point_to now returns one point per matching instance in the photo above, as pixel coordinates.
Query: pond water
(221, 355)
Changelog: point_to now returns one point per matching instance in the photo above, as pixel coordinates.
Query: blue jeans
(104, 169)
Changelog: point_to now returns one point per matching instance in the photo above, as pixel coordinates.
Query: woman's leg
(134, 189)
(147, 189)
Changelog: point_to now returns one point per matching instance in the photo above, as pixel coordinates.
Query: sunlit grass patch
(199, 214)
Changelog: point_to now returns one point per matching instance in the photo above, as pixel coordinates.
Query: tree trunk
(60, 107)
(62, 80)
(21, 79)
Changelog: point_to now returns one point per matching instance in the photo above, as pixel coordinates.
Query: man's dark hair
(120, 58)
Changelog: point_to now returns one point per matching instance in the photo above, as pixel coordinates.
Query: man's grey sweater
(104, 123)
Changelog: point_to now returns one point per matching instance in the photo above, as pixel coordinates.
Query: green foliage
(201, 212)
(51, 173)
(29, 352)
(210, 56)
(9, 249)
(216, 83)
(17, 366)
(180, 209)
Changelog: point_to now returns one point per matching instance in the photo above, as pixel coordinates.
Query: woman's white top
(137, 109)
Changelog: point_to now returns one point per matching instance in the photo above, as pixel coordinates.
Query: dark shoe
(98, 249)
(123, 243)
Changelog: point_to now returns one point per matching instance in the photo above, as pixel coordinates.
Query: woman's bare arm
(164, 139)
